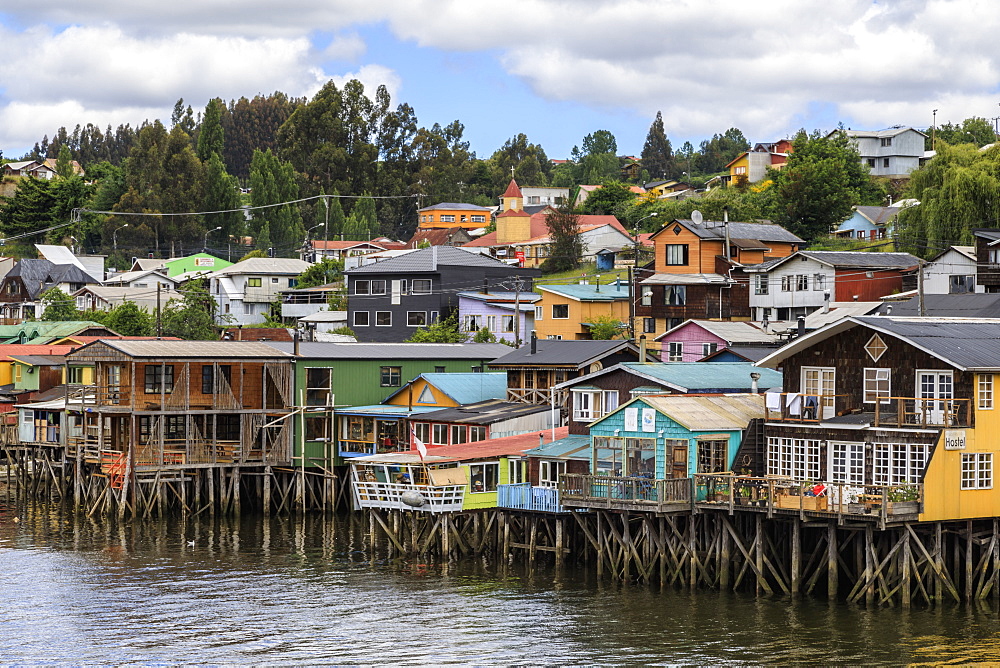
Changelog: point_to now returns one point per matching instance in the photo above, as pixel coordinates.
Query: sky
(555, 70)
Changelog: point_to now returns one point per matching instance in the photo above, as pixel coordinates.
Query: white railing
(389, 495)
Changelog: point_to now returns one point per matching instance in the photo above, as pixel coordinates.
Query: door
(818, 388)
(113, 383)
(677, 451)
(934, 395)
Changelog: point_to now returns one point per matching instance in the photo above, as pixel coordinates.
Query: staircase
(114, 467)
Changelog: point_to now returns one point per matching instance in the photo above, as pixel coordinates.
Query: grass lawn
(588, 269)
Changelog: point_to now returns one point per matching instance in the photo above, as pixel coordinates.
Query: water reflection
(306, 590)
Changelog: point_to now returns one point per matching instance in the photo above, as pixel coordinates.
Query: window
(899, 463)
(646, 296)
(875, 347)
(318, 428)
(458, 434)
(361, 318)
(649, 325)
(439, 369)
(554, 337)
(477, 433)
(208, 377)
(439, 434)
(447, 219)
(886, 141)
(274, 281)
(507, 323)
(75, 375)
(383, 318)
(877, 386)
(801, 282)
(378, 287)
(422, 431)
(533, 199)
(708, 348)
(390, 376)
(985, 391)
(416, 318)
(793, 458)
(549, 472)
(420, 286)
(677, 254)
(472, 323)
(362, 287)
(484, 476)
(318, 383)
(847, 463)
(539, 310)
(159, 378)
(253, 282)
(740, 170)
(590, 405)
(960, 285)
(994, 256)
(560, 311)
(760, 284)
(675, 351)
(885, 162)
(713, 456)
(515, 468)
(819, 281)
(977, 470)
(786, 283)
(434, 317)
(675, 295)
(478, 219)
(248, 308)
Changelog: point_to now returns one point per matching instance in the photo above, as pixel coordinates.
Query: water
(292, 592)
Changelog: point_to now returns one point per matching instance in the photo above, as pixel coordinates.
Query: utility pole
(159, 329)
(920, 289)
(518, 284)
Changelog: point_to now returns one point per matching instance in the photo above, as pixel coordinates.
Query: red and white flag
(418, 444)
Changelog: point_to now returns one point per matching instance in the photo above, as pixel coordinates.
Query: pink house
(692, 340)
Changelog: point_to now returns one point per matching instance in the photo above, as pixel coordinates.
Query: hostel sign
(954, 439)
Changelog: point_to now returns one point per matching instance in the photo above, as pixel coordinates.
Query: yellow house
(568, 311)
(452, 214)
(447, 390)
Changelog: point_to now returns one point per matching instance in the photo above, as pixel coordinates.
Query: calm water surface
(289, 591)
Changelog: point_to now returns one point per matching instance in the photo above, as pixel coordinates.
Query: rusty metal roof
(719, 413)
(201, 349)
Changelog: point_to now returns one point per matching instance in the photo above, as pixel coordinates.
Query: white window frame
(539, 312)
(421, 290)
(899, 463)
(366, 323)
(873, 377)
(410, 314)
(795, 458)
(358, 287)
(977, 470)
(846, 462)
(709, 348)
(675, 351)
(760, 284)
(585, 405)
(984, 391)
(439, 433)
(556, 317)
(549, 472)
(378, 313)
(475, 469)
(377, 287)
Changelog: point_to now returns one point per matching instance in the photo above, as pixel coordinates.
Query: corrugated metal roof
(694, 376)
(574, 446)
(386, 410)
(947, 306)
(846, 259)
(608, 292)
(562, 353)
(211, 349)
(456, 206)
(265, 265)
(751, 353)
(468, 388)
(429, 259)
(485, 412)
(732, 332)
(709, 413)
(40, 360)
(714, 229)
(395, 351)
(687, 279)
(968, 344)
(494, 447)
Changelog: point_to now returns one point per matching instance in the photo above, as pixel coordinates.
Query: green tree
(129, 320)
(254, 253)
(821, 182)
(609, 199)
(598, 160)
(337, 219)
(211, 136)
(222, 194)
(263, 240)
(484, 335)
(443, 331)
(192, 316)
(57, 305)
(566, 248)
(324, 272)
(720, 150)
(975, 130)
(531, 165)
(64, 163)
(273, 182)
(345, 330)
(657, 154)
(606, 327)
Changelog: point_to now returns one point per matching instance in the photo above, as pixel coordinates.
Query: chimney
(725, 225)
(541, 439)
(486, 286)
(295, 342)
(802, 326)
(534, 342)
(642, 348)
(598, 283)
(754, 377)
(826, 302)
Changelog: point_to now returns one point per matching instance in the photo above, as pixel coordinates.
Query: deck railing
(799, 407)
(775, 494)
(909, 411)
(601, 491)
(389, 495)
(523, 496)
(535, 395)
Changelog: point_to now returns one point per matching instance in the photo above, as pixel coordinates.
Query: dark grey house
(390, 299)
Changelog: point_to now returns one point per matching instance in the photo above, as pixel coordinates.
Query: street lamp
(305, 242)
(204, 243)
(934, 131)
(114, 236)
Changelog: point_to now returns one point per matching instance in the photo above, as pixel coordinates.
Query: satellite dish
(696, 217)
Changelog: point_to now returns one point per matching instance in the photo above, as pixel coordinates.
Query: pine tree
(336, 217)
(657, 154)
(211, 137)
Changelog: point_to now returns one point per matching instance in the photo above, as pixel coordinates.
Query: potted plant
(904, 500)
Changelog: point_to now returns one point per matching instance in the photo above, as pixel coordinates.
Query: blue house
(869, 222)
(645, 454)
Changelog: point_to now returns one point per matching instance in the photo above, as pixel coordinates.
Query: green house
(329, 375)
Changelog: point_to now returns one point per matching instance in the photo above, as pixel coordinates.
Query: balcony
(889, 412)
(536, 395)
(578, 490)
(523, 496)
(422, 498)
(785, 496)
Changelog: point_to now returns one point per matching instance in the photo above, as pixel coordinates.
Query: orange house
(686, 247)
(452, 214)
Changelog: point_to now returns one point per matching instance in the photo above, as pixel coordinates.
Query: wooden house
(895, 416)
(645, 455)
(159, 405)
(449, 479)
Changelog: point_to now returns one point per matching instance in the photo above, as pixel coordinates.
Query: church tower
(514, 223)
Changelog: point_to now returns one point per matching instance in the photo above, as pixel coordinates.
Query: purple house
(495, 311)
(692, 340)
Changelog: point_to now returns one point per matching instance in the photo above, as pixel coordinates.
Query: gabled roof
(699, 413)
(552, 352)
(462, 388)
(264, 265)
(608, 292)
(687, 279)
(40, 360)
(458, 206)
(501, 297)
(710, 229)
(973, 305)
(878, 215)
(337, 244)
(968, 344)
(428, 260)
(730, 332)
(967, 251)
(689, 376)
(198, 349)
(878, 134)
(538, 229)
(844, 260)
(129, 276)
(437, 236)
(512, 190)
(41, 275)
(748, 353)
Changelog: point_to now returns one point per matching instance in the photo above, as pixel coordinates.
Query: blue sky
(552, 69)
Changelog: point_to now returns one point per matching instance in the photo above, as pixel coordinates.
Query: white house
(147, 279)
(952, 272)
(894, 152)
(538, 195)
(246, 290)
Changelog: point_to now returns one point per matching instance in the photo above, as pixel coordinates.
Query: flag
(418, 444)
